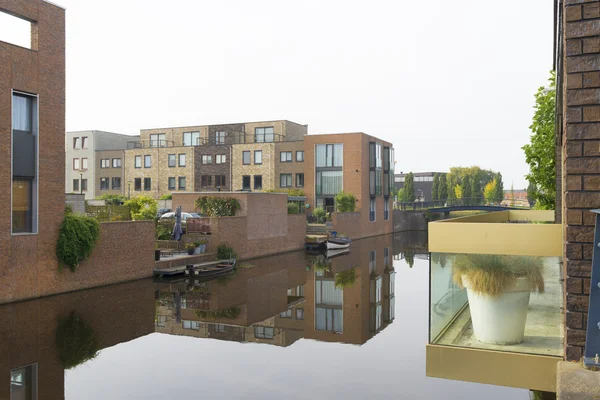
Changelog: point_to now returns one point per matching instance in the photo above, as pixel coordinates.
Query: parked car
(162, 211)
(168, 219)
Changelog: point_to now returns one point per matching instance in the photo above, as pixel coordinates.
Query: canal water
(291, 326)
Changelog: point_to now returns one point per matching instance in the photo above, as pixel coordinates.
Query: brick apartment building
(215, 157)
(356, 163)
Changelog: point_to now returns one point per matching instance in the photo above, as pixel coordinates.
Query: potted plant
(498, 289)
(190, 247)
(200, 246)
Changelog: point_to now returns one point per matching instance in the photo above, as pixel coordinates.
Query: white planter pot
(499, 320)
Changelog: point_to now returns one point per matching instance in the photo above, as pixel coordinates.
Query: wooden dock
(176, 264)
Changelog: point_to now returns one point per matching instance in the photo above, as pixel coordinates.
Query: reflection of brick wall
(356, 225)
(581, 154)
(125, 251)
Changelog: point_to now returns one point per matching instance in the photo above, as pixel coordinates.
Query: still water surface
(279, 328)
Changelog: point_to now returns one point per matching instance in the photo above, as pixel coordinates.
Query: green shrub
(345, 202)
(142, 208)
(290, 192)
(168, 196)
(319, 214)
(225, 252)
(293, 208)
(162, 233)
(492, 274)
(76, 341)
(68, 209)
(230, 313)
(114, 199)
(345, 279)
(218, 206)
(76, 240)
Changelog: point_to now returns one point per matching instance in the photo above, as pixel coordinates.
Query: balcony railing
(496, 299)
(145, 144)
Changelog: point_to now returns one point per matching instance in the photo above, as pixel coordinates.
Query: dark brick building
(423, 183)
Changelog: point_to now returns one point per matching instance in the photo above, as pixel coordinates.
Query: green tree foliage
(142, 208)
(539, 153)
(290, 192)
(531, 193)
(442, 188)
(293, 208)
(168, 196)
(476, 191)
(320, 214)
(490, 192)
(458, 192)
(409, 257)
(467, 187)
(451, 186)
(435, 188)
(114, 199)
(77, 237)
(218, 206)
(407, 193)
(345, 279)
(225, 252)
(499, 189)
(345, 202)
(76, 341)
(512, 195)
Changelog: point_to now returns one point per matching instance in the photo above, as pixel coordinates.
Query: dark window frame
(179, 186)
(174, 180)
(244, 157)
(137, 184)
(300, 152)
(287, 159)
(147, 184)
(106, 182)
(174, 159)
(300, 175)
(259, 187)
(249, 182)
(291, 180)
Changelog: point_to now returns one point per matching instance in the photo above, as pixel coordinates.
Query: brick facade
(212, 170)
(293, 168)
(580, 161)
(109, 172)
(266, 169)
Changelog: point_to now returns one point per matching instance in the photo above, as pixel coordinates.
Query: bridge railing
(464, 202)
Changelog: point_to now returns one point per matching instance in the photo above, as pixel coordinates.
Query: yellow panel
(492, 367)
(492, 234)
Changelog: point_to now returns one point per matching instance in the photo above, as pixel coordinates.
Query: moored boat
(220, 267)
(338, 243)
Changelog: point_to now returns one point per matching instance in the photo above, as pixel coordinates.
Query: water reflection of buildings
(281, 299)
(30, 334)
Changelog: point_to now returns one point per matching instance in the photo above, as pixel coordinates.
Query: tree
(407, 193)
(450, 187)
(466, 186)
(512, 195)
(457, 192)
(490, 191)
(476, 192)
(539, 153)
(442, 188)
(345, 202)
(142, 208)
(531, 191)
(499, 189)
(435, 187)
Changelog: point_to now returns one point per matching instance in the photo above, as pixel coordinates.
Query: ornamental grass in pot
(498, 288)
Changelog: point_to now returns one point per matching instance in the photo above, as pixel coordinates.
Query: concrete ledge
(573, 382)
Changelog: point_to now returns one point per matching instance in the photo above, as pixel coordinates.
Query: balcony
(496, 299)
(147, 144)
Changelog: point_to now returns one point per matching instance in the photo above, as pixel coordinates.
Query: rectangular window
(158, 140)
(147, 184)
(76, 143)
(264, 135)
(191, 138)
(285, 156)
(138, 161)
(220, 181)
(116, 183)
(299, 180)
(220, 137)
(24, 380)
(182, 160)
(286, 314)
(386, 209)
(192, 325)
(116, 163)
(75, 185)
(372, 209)
(182, 183)
(84, 186)
(22, 210)
(329, 182)
(300, 156)
(246, 182)
(285, 180)
(103, 183)
(264, 332)
(206, 159)
(206, 181)
(372, 260)
(246, 158)
(172, 160)
(330, 155)
(221, 159)
(76, 164)
(84, 163)
(137, 185)
(172, 183)
(257, 182)
(84, 142)
(147, 161)
(257, 157)
(104, 163)
(300, 313)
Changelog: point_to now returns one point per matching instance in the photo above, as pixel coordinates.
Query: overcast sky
(450, 83)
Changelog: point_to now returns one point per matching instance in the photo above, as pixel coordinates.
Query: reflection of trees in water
(409, 257)
(76, 341)
(230, 313)
(345, 279)
(322, 263)
(439, 258)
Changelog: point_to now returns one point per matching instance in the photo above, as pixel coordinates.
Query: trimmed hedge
(77, 238)
(218, 206)
(293, 208)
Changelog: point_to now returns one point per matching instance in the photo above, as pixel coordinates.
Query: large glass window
(285, 180)
(103, 183)
(264, 332)
(206, 159)
(147, 161)
(220, 181)
(257, 157)
(191, 138)
(147, 184)
(206, 181)
(22, 210)
(172, 160)
(138, 162)
(285, 156)
(220, 137)
(221, 159)
(116, 183)
(158, 140)
(329, 182)
(300, 156)
(24, 383)
(372, 209)
(137, 184)
(116, 163)
(246, 182)
(181, 183)
(182, 160)
(329, 155)
(22, 115)
(264, 135)
(246, 157)
(172, 183)
(192, 325)
(257, 182)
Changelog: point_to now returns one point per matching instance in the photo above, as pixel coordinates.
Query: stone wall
(77, 201)
(581, 161)
(124, 251)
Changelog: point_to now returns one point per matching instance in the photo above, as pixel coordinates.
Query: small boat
(338, 243)
(204, 270)
(337, 252)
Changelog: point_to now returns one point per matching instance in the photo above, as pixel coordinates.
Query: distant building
(423, 183)
(520, 197)
(94, 162)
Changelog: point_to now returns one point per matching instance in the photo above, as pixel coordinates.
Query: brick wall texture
(580, 161)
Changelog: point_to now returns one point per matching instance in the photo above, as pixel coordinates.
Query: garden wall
(124, 251)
